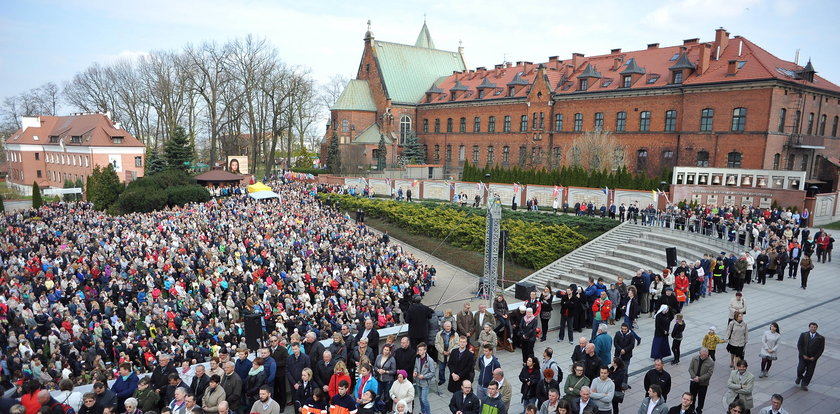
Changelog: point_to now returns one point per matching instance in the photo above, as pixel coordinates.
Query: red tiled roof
(95, 130)
(755, 63)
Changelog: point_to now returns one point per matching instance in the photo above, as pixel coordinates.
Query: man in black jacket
(417, 317)
(295, 365)
(323, 371)
(624, 343)
(199, 384)
(175, 382)
(232, 385)
(160, 375)
(405, 357)
(279, 352)
(371, 334)
(660, 377)
(810, 346)
(461, 365)
(464, 400)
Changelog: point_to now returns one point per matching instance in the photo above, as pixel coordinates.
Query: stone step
(720, 244)
(634, 263)
(644, 262)
(684, 252)
(609, 277)
(680, 240)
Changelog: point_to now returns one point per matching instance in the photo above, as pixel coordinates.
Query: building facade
(723, 103)
(50, 150)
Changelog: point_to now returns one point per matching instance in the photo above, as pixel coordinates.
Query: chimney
(507, 64)
(615, 51)
(705, 58)
(732, 68)
(527, 66)
(553, 58)
(721, 41)
(577, 60)
(653, 46)
(482, 71)
(694, 41)
(617, 63)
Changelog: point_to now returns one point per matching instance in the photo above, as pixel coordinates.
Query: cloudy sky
(50, 40)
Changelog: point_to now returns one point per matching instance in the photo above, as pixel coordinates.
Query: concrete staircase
(622, 251)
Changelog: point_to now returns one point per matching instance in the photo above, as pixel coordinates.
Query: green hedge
(183, 194)
(166, 188)
(313, 171)
(536, 239)
(566, 176)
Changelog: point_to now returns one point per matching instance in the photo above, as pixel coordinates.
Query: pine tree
(381, 154)
(103, 187)
(37, 201)
(178, 151)
(154, 163)
(78, 184)
(2, 204)
(334, 155)
(413, 152)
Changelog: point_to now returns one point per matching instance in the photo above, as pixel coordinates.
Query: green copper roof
(371, 136)
(409, 71)
(355, 97)
(424, 39)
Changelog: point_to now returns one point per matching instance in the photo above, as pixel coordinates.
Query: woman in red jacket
(29, 399)
(681, 284)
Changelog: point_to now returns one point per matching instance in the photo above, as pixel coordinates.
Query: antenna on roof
(796, 57)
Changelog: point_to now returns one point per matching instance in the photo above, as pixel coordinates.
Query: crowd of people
(86, 298)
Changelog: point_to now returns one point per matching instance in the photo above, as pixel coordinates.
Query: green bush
(536, 240)
(184, 194)
(141, 201)
(37, 201)
(566, 176)
(313, 171)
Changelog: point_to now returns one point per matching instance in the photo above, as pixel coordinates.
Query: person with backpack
(66, 395)
(55, 407)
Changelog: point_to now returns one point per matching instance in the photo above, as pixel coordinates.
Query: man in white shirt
(775, 406)
(653, 403)
(581, 404)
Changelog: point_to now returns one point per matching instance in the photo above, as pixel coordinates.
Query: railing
(734, 235)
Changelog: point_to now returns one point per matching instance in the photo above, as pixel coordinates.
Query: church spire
(424, 39)
(368, 34)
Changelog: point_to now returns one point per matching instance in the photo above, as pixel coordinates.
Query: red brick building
(722, 103)
(50, 150)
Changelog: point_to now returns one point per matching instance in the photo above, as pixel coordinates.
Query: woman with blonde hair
(338, 348)
(340, 373)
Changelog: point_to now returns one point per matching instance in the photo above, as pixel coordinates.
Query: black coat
(405, 359)
(323, 372)
(592, 366)
(663, 325)
(198, 386)
(417, 317)
(468, 405)
(460, 363)
(253, 384)
(810, 348)
(373, 339)
(232, 384)
(529, 382)
(663, 379)
(624, 342)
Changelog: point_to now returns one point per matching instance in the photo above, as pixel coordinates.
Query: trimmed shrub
(183, 194)
(141, 201)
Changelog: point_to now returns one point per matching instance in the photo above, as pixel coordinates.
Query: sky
(51, 40)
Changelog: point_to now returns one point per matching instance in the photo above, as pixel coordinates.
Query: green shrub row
(154, 192)
(534, 242)
(566, 176)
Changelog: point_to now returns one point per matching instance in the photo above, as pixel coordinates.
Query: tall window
(834, 127)
(733, 160)
(505, 154)
(678, 76)
(462, 152)
(449, 125)
(626, 81)
(739, 119)
(138, 161)
(475, 154)
(491, 124)
(599, 120)
(345, 125)
(790, 161)
(506, 126)
(796, 119)
(578, 122)
(490, 155)
(822, 124)
(641, 160)
(620, 121)
(707, 117)
(644, 121)
(462, 126)
(804, 165)
(477, 124)
(405, 128)
(523, 156)
(425, 125)
(437, 124)
(810, 123)
(558, 122)
(782, 115)
(670, 120)
(702, 158)
(437, 152)
(584, 84)
(557, 155)
(777, 158)
(523, 123)
(449, 152)
(542, 120)
(534, 121)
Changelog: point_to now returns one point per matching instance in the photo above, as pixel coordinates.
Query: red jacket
(605, 309)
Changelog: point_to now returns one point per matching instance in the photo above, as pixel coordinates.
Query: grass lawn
(832, 226)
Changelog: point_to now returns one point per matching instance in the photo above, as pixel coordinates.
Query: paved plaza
(784, 302)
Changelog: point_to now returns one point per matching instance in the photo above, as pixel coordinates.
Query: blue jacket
(485, 372)
(242, 367)
(603, 346)
(371, 384)
(271, 369)
(125, 388)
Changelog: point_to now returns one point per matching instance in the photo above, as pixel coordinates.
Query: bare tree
(597, 150)
(91, 90)
(329, 92)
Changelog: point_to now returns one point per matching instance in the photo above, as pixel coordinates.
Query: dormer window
(481, 94)
(117, 140)
(76, 139)
(584, 84)
(626, 81)
(678, 76)
(511, 91)
(53, 139)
